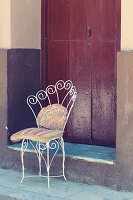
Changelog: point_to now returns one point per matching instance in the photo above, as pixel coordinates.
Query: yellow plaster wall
(20, 24)
(26, 24)
(5, 28)
(126, 24)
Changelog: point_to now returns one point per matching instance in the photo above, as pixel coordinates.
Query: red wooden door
(83, 37)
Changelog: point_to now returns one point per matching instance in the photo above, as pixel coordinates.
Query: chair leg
(22, 160)
(63, 151)
(48, 166)
(39, 159)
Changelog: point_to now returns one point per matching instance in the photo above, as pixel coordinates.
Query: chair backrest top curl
(68, 100)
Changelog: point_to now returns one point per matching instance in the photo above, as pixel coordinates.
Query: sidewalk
(36, 189)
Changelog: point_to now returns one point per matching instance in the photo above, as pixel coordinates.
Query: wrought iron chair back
(45, 95)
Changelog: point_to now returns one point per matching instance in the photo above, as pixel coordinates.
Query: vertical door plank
(104, 94)
(107, 20)
(79, 129)
(118, 21)
(106, 45)
(57, 41)
(78, 20)
(60, 24)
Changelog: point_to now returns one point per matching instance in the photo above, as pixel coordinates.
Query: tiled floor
(36, 189)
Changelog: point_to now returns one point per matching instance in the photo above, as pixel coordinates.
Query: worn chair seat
(36, 134)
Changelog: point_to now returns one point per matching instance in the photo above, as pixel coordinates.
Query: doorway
(80, 40)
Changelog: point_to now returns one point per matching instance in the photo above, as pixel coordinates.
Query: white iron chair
(45, 138)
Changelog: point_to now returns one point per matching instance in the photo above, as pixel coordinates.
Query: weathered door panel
(107, 20)
(104, 94)
(57, 47)
(59, 16)
(80, 72)
(79, 128)
(105, 46)
(78, 20)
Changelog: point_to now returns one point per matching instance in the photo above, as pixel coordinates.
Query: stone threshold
(91, 153)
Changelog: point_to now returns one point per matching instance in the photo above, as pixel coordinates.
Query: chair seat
(36, 134)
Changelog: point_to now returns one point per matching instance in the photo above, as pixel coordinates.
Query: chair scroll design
(58, 141)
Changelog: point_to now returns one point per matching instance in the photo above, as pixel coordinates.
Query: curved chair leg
(48, 166)
(39, 160)
(63, 152)
(22, 160)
